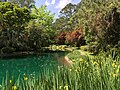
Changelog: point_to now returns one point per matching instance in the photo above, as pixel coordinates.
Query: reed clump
(100, 72)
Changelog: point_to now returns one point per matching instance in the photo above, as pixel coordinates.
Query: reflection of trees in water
(63, 60)
(44, 63)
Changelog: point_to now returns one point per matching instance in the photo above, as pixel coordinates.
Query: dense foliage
(92, 22)
(21, 3)
(22, 30)
(99, 19)
(96, 22)
(61, 37)
(12, 24)
(64, 21)
(40, 28)
(75, 38)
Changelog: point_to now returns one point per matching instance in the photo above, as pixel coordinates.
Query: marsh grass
(99, 72)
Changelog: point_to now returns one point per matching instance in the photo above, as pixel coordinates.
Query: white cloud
(53, 2)
(62, 4)
(47, 3)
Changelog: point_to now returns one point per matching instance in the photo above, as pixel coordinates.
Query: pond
(30, 65)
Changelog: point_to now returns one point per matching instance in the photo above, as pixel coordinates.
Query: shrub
(84, 48)
(7, 50)
(75, 38)
(61, 37)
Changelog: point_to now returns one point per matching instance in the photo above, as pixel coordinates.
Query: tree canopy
(22, 29)
(22, 3)
(42, 22)
(95, 22)
(64, 21)
(100, 21)
(12, 24)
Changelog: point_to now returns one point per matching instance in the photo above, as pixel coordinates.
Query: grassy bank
(89, 72)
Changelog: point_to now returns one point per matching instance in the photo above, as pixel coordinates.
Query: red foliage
(60, 39)
(75, 38)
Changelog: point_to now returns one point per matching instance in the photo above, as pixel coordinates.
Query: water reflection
(31, 65)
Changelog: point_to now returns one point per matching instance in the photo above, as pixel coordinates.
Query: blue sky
(55, 5)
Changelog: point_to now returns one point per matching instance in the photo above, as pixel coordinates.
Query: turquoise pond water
(31, 65)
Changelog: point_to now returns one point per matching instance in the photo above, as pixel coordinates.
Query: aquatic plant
(99, 72)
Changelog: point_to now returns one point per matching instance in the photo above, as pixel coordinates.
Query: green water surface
(31, 65)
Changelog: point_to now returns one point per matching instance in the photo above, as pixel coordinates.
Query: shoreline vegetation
(50, 49)
(100, 72)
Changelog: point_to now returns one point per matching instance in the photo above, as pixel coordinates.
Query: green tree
(22, 3)
(92, 16)
(41, 28)
(12, 23)
(64, 20)
(68, 10)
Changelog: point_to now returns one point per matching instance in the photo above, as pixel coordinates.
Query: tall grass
(99, 72)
